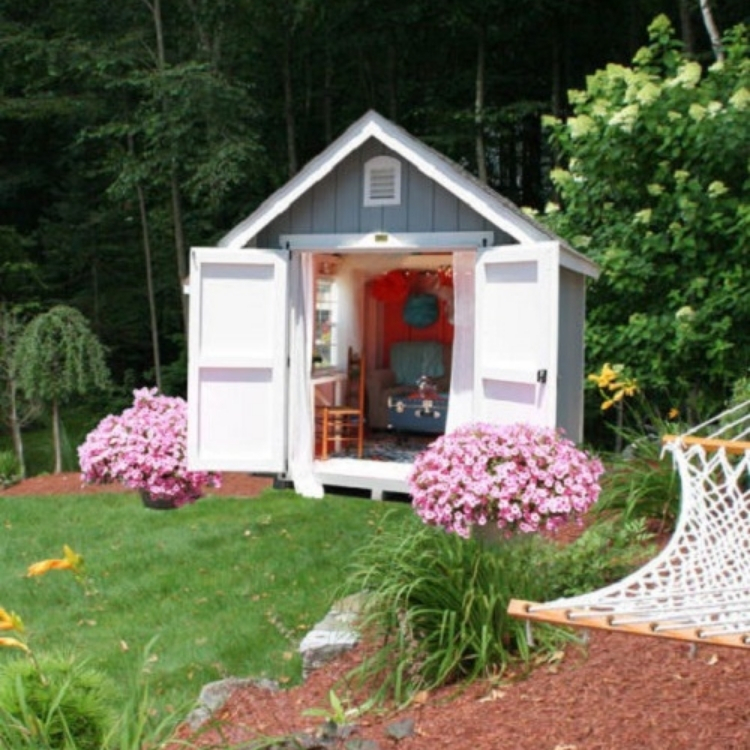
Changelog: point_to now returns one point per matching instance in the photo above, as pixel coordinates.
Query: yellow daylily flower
(10, 621)
(72, 561)
(75, 560)
(13, 643)
(605, 377)
(673, 413)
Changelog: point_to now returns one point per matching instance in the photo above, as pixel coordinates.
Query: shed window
(326, 317)
(383, 181)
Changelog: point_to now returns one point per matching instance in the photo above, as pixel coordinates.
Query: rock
(400, 730)
(214, 695)
(334, 635)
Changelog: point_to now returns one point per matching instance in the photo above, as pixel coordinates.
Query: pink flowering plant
(518, 477)
(145, 449)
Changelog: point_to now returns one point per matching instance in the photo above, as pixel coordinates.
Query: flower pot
(488, 535)
(156, 503)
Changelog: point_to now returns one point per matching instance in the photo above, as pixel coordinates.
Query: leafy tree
(56, 357)
(16, 411)
(655, 186)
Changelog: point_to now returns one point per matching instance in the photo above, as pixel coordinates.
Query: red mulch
(232, 485)
(619, 693)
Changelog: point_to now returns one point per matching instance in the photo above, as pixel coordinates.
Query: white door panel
(516, 334)
(237, 360)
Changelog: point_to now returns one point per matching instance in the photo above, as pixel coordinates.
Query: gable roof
(497, 210)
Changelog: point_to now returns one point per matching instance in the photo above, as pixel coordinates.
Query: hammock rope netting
(697, 588)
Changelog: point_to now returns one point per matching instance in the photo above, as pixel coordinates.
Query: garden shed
(384, 249)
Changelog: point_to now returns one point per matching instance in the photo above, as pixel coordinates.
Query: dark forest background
(133, 130)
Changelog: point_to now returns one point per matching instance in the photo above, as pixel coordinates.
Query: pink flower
(519, 477)
(145, 448)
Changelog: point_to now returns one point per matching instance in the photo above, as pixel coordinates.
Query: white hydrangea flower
(643, 216)
(648, 93)
(685, 314)
(580, 126)
(625, 118)
(740, 99)
(717, 188)
(688, 76)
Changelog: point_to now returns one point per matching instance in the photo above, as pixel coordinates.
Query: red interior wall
(394, 329)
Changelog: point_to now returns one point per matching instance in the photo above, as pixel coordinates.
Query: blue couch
(409, 361)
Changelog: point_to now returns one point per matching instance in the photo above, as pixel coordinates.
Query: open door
(515, 354)
(237, 361)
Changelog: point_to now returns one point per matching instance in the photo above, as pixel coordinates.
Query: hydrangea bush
(145, 449)
(519, 477)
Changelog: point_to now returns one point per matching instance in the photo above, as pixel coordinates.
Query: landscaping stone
(334, 635)
(213, 696)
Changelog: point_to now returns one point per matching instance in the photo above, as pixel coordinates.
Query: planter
(488, 535)
(156, 503)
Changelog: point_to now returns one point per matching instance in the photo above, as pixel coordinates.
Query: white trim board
(384, 241)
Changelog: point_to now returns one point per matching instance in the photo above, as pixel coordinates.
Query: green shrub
(10, 469)
(740, 394)
(59, 703)
(640, 483)
(437, 604)
(606, 552)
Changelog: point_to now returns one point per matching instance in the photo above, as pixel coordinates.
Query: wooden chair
(341, 424)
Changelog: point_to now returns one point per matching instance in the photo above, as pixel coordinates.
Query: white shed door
(516, 334)
(237, 360)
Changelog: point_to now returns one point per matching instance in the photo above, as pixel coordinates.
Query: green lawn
(228, 586)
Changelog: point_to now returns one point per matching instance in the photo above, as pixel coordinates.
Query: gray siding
(335, 206)
(570, 379)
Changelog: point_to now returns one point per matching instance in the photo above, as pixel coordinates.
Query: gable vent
(382, 181)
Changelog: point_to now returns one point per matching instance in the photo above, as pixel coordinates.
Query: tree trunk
(56, 438)
(14, 422)
(176, 200)
(392, 83)
(328, 96)
(180, 247)
(686, 28)
(712, 29)
(558, 76)
(149, 275)
(479, 108)
(291, 134)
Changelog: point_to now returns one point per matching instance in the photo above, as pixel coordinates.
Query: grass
(39, 456)
(228, 586)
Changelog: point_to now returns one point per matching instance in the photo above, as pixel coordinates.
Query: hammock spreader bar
(658, 629)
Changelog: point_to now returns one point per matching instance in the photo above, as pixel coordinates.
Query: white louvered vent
(383, 181)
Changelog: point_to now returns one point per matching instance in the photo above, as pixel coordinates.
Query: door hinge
(541, 376)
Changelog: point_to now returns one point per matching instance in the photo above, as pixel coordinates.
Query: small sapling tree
(16, 410)
(58, 356)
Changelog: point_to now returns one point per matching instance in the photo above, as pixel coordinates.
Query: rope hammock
(698, 588)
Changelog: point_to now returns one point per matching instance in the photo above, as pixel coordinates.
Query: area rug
(402, 451)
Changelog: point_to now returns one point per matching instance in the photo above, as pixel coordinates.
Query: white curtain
(301, 408)
(461, 401)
